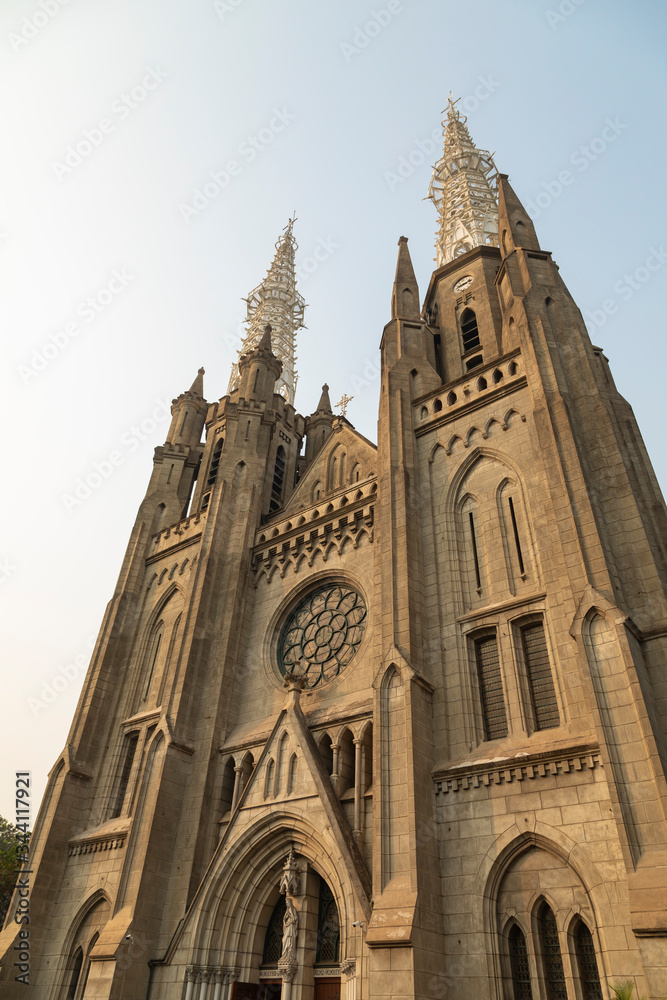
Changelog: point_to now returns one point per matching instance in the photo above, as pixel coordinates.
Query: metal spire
(463, 189)
(277, 302)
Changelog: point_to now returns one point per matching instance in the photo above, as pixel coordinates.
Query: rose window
(322, 634)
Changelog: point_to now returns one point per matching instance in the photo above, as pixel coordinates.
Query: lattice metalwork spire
(276, 301)
(463, 189)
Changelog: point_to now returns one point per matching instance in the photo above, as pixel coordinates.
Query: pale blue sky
(342, 117)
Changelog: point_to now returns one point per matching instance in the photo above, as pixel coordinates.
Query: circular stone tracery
(322, 634)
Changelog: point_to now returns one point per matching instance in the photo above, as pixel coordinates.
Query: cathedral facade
(379, 721)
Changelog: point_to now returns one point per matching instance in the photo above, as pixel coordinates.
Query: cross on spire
(343, 403)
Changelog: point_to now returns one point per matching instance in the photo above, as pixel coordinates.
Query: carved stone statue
(290, 931)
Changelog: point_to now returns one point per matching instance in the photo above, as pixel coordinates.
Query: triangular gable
(251, 814)
(360, 456)
(313, 781)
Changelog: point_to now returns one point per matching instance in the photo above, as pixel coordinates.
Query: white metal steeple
(463, 189)
(276, 301)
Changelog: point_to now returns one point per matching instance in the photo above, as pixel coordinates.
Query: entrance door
(327, 988)
(268, 990)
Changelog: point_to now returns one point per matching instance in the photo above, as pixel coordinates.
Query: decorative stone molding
(210, 974)
(333, 971)
(178, 535)
(92, 846)
(302, 543)
(348, 968)
(517, 769)
(475, 389)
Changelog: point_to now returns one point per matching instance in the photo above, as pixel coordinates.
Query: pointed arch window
(554, 974)
(128, 753)
(494, 716)
(228, 782)
(76, 973)
(519, 964)
(470, 555)
(278, 480)
(328, 927)
(291, 774)
(269, 778)
(589, 976)
(153, 653)
(273, 940)
(469, 330)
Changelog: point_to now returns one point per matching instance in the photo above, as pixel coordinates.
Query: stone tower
(300, 770)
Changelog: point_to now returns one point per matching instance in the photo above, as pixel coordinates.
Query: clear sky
(119, 281)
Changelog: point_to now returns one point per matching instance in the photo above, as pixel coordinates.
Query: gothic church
(379, 721)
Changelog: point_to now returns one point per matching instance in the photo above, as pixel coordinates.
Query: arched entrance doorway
(300, 950)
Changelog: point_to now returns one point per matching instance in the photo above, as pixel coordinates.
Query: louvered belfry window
(519, 965)
(553, 962)
(538, 672)
(469, 331)
(490, 688)
(589, 976)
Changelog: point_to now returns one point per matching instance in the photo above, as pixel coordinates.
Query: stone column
(358, 777)
(237, 786)
(335, 747)
(219, 978)
(206, 976)
(190, 979)
(230, 979)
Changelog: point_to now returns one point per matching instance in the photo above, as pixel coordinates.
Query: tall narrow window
(278, 479)
(76, 972)
(291, 774)
(490, 688)
(129, 750)
(519, 965)
(554, 976)
(153, 653)
(215, 463)
(473, 539)
(269, 778)
(538, 674)
(469, 331)
(588, 966)
(273, 941)
(328, 927)
(515, 530)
